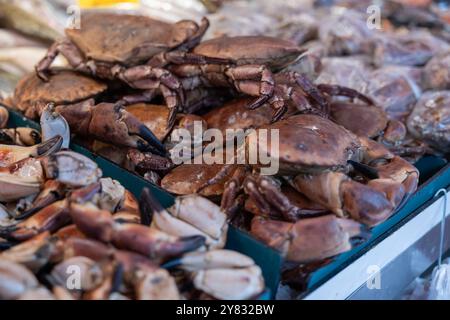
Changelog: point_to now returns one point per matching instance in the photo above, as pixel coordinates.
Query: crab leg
(68, 50)
(335, 90)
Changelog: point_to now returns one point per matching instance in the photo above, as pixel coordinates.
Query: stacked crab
(67, 233)
(133, 80)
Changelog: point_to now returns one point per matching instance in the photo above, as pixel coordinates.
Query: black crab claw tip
(192, 243)
(258, 102)
(50, 146)
(171, 264)
(363, 236)
(364, 169)
(148, 205)
(5, 245)
(153, 144)
(117, 278)
(28, 213)
(5, 232)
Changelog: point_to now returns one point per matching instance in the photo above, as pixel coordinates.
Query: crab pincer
(223, 274)
(101, 225)
(190, 216)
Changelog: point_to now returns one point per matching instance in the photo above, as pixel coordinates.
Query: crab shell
(127, 39)
(64, 87)
(189, 178)
(236, 115)
(273, 52)
(309, 143)
(155, 118)
(362, 120)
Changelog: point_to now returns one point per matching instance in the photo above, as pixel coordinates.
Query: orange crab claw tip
(50, 146)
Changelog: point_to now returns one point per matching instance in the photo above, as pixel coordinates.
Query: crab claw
(190, 216)
(71, 168)
(113, 123)
(15, 280)
(34, 253)
(110, 123)
(53, 124)
(53, 190)
(310, 239)
(100, 224)
(224, 274)
(12, 154)
(20, 136)
(4, 116)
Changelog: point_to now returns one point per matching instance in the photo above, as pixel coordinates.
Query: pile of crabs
(68, 233)
(348, 108)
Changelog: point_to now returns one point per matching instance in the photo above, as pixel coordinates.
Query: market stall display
(359, 107)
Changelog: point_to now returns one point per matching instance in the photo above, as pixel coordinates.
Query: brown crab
(248, 68)
(309, 239)
(319, 155)
(372, 122)
(130, 48)
(73, 95)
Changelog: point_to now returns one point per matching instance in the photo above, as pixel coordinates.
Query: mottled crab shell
(63, 87)
(236, 115)
(127, 39)
(362, 120)
(309, 143)
(188, 178)
(273, 52)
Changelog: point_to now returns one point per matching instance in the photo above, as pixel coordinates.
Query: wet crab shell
(188, 178)
(274, 52)
(127, 39)
(64, 87)
(362, 120)
(155, 118)
(309, 143)
(236, 115)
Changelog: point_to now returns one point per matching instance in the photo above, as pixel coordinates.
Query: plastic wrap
(414, 48)
(349, 72)
(345, 32)
(436, 74)
(430, 119)
(395, 89)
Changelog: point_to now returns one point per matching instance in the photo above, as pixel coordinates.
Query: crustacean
(319, 159)
(27, 176)
(20, 136)
(102, 225)
(189, 216)
(372, 122)
(249, 70)
(132, 50)
(104, 121)
(222, 274)
(13, 153)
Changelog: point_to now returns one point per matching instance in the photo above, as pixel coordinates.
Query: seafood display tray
(435, 174)
(268, 259)
(400, 249)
